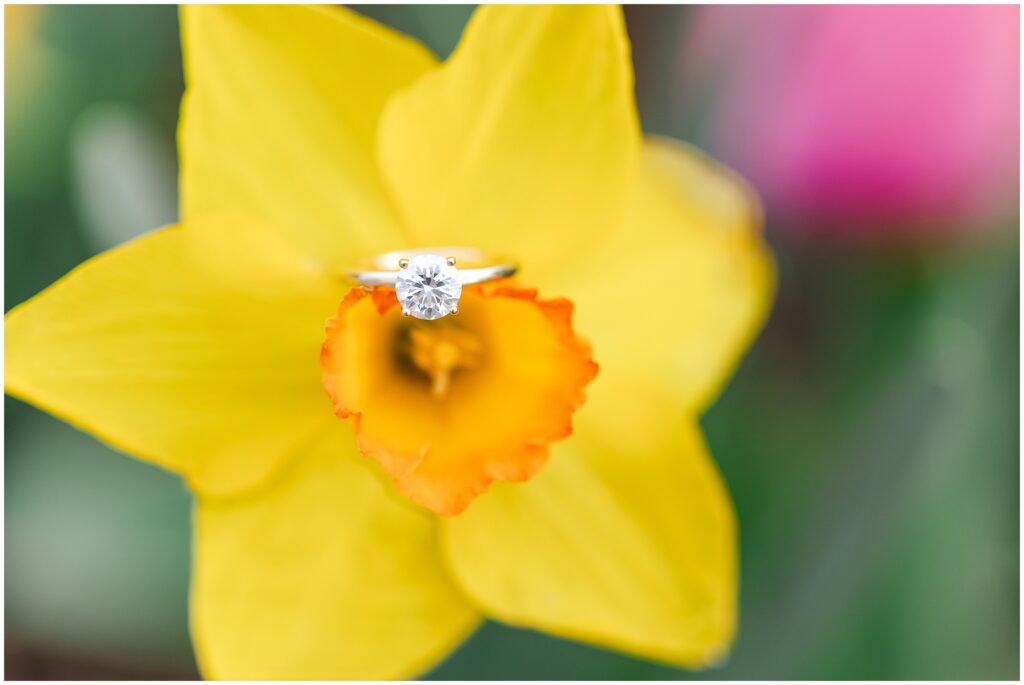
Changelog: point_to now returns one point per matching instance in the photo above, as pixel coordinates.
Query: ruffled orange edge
(461, 477)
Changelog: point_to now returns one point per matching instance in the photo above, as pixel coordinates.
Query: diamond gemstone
(428, 288)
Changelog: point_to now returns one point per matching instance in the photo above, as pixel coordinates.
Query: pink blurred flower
(865, 117)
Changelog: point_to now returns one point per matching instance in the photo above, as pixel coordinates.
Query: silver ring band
(388, 266)
(465, 276)
(426, 281)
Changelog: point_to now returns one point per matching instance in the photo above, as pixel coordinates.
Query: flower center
(437, 351)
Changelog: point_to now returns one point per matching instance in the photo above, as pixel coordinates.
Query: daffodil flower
(312, 139)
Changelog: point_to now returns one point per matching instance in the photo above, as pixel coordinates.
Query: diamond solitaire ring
(427, 282)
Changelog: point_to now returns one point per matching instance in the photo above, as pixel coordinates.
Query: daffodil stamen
(439, 351)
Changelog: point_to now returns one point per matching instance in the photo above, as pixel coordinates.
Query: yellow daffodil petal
(449, 406)
(626, 539)
(194, 348)
(524, 142)
(678, 293)
(329, 575)
(280, 119)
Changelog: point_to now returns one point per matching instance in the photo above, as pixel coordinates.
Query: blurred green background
(870, 439)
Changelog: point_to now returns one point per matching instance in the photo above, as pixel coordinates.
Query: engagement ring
(427, 282)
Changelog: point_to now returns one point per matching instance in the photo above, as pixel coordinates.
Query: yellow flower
(312, 139)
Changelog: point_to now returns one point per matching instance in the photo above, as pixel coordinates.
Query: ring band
(426, 280)
(389, 265)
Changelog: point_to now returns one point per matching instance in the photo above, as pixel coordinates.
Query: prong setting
(402, 263)
(428, 287)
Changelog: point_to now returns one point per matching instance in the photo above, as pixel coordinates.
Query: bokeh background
(870, 439)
